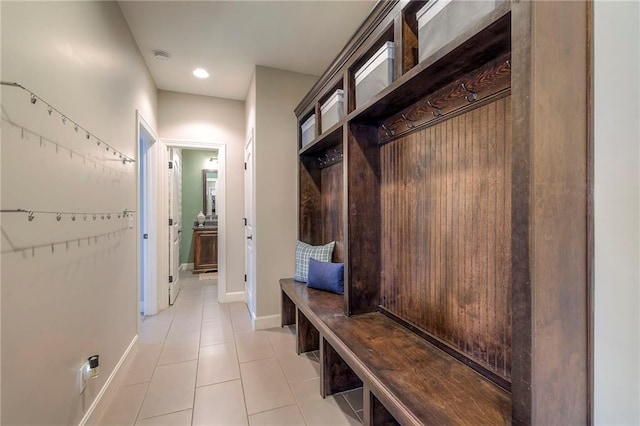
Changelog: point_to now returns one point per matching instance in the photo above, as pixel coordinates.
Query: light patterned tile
(281, 335)
(221, 404)
(142, 365)
(123, 408)
(215, 332)
(253, 345)
(285, 416)
(333, 410)
(265, 386)
(298, 367)
(217, 363)
(354, 398)
(171, 389)
(181, 418)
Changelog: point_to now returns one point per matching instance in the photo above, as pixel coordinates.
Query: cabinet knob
(250, 237)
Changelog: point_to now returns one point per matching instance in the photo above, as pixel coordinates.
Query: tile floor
(201, 363)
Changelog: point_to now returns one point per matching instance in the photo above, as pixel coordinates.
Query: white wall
(277, 94)
(203, 118)
(60, 307)
(617, 212)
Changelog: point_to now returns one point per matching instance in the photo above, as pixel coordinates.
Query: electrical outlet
(83, 376)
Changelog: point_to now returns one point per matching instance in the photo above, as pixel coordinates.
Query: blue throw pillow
(326, 276)
(304, 252)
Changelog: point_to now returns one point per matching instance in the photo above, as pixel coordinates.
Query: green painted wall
(193, 162)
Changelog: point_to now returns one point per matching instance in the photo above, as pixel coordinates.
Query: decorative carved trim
(472, 90)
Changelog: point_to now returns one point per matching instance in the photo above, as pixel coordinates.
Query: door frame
(221, 206)
(151, 301)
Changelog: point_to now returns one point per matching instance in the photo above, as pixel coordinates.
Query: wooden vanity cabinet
(205, 258)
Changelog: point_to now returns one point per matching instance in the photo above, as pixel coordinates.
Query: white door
(148, 192)
(250, 284)
(175, 225)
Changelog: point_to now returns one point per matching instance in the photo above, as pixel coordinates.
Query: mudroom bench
(405, 379)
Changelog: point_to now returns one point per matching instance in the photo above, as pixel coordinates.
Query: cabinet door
(206, 251)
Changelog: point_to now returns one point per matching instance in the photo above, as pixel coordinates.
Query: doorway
(215, 159)
(147, 217)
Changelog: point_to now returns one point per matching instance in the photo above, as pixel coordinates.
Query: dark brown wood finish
(309, 217)
(307, 337)
(551, 73)
(331, 207)
(472, 228)
(205, 250)
(477, 88)
(378, 414)
(446, 262)
(363, 217)
(335, 374)
(416, 382)
(483, 42)
(370, 29)
(288, 311)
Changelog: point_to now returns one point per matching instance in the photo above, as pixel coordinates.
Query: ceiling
(228, 38)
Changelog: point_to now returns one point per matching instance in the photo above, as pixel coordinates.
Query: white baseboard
(267, 321)
(100, 401)
(186, 266)
(237, 296)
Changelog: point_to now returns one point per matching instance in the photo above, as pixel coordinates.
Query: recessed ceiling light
(200, 73)
(161, 56)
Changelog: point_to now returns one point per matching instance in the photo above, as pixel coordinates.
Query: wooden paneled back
(445, 195)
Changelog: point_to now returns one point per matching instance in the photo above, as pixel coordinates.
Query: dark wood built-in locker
(459, 200)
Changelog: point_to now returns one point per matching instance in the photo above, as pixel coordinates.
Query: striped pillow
(304, 252)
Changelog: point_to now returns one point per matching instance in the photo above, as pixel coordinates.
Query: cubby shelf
(328, 139)
(450, 174)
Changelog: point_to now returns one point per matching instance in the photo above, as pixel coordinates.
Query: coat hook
(31, 216)
(474, 95)
(389, 132)
(84, 217)
(410, 123)
(49, 109)
(58, 217)
(94, 217)
(73, 217)
(64, 120)
(109, 216)
(437, 110)
(33, 99)
(88, 135)
(75, 127)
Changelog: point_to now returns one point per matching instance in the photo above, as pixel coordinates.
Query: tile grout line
(146, 392)
(244, 394)
(304, 419)
(195, 380)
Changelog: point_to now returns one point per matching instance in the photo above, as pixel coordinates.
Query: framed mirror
(209, 184)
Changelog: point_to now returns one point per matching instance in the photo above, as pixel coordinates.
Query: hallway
(199, 362)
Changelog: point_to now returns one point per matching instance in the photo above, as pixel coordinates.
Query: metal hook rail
(31, 214)
(65, 119)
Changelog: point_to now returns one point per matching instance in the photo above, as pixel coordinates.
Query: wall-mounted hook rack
(65, 118)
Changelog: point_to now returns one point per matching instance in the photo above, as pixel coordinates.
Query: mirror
(209, 183)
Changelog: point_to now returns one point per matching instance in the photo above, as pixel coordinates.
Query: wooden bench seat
(403, 375)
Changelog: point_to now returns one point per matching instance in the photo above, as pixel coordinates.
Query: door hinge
(245, 165)
(245, 221)
(170, 222)
(145, 236)
(245, 278)
(170, 278)
(171, 164)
